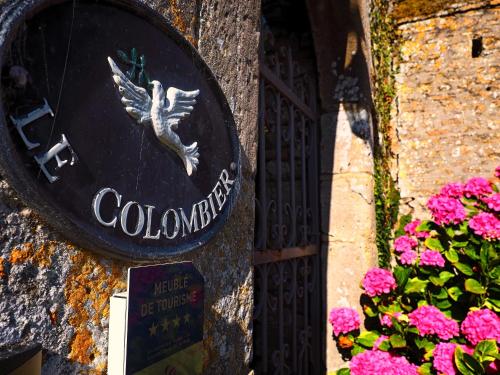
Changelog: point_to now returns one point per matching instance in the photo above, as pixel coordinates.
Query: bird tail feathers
(190, 158)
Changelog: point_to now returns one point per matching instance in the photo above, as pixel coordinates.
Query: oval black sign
(114, 128)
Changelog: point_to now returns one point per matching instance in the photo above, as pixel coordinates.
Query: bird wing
(180, 105)
(136, 99)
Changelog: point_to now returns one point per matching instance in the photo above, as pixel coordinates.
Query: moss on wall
(408, 9)
(384, 49)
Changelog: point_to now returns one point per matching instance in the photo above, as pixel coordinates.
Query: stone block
(347, 207)
(346, 141)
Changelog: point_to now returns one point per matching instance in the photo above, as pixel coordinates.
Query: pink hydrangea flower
(386, 319)
(443, 358)
(408, 257)
(486, 225)
(477, 187)
(493, 202)
(453, 190)
(446, 210)
(497, 171)
(429, 320)
(404, 243)
(372, 362)
(344, 320)
(378, 281)
(431, 258)
(411, 229)
(481, 325)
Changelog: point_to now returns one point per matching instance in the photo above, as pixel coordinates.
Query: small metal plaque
(113, 127)
(165, 320)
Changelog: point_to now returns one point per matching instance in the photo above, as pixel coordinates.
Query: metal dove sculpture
(163, 111)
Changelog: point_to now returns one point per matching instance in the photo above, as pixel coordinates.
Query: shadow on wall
(341, 32)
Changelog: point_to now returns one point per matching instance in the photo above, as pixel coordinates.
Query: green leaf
(397, 341)
(495, 273)
(401, 274)
(416, 285)
(474, 286)
(385, 345)
(471, 253)
(443, 305)
(484, 255)
(433, 243)
(458, 244)
(367, 338)
(464, 268)
(450, 232)
(465, 365)
(486, 351)
(451, 255)
(369, 311)
(493, 304)
(473, 364)
(425, 226)
(357, 349)
(442, 294)
(464, 227)
(455, 292)
(344, 371)
(425, 369)
(123, 56)
(444, 276)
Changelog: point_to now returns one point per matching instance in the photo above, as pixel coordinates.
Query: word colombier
(200, 215)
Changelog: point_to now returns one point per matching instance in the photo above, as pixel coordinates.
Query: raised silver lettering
(204, 213)
(212, 205)
(140, 220)
(21, 122)
(54, 153)
(148, 224)
(96, 205)
(192, 223)
(164, 224)
(224, 177)
(219, 196)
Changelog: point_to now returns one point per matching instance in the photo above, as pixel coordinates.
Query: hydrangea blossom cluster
(486, 225)
(497, 171)
(429, 320)
(404, 243)
(477, 187)
(408, 257)
(378, 281)
(493, 202)
(481, 325)
(443, 358)
(431, 258)
(411, 229)
(344, 320)
(446, 210)
(380, 362)
(452, 190)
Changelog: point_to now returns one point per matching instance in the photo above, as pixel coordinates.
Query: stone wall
(56, 294)
(446, 119)
(342, 44)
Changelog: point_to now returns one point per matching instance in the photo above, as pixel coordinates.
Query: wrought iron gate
(288, 311)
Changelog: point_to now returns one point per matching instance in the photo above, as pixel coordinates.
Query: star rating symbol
(176, 321)
(152, 329)
(164, 324)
